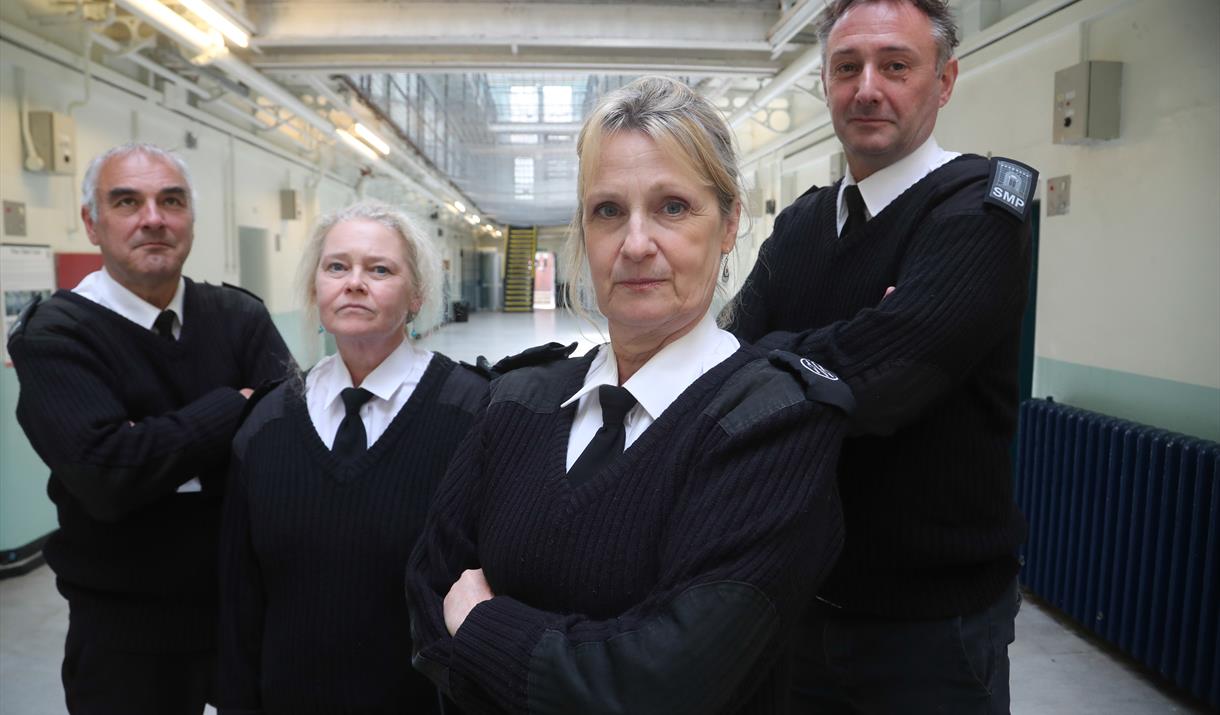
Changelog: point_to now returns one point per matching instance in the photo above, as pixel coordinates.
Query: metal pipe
(809, 61)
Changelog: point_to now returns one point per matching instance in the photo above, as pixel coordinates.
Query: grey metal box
(54, 137)
(1087, 102)
(290, 205)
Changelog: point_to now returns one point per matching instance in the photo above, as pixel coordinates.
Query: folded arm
(753, 532)
(111, 463)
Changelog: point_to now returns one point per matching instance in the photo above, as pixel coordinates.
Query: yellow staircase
(519, 250)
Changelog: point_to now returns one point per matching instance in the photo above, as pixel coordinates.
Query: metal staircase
(519, 250)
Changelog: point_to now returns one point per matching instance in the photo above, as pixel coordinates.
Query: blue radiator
(1124, 536)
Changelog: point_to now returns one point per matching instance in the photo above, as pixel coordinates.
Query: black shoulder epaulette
(260, 392)
(1011, 187)
(481, 367)
(24, 316)
(243, 290)
(539, 355)
(810, 190)
(821, 385)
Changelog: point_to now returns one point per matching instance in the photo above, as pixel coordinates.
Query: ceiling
(482, 100)
(493, 93)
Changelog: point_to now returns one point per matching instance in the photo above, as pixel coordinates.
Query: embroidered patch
(821, 385)
(1012, 186)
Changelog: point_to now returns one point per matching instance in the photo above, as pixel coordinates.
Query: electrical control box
(1087, 102)
(290, 205)
(54, 139)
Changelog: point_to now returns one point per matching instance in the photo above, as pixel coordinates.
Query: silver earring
(724, 263)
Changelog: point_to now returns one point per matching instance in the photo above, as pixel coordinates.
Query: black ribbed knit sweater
(123, 417)
(927, 498)
(313, 618)
(665, 583)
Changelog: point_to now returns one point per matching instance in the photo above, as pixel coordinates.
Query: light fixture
(452, 208)
(459, 206)
(474, 218)
(177, 26)
(499, 233)
(372, 139)
(215, 19)
(356, 144)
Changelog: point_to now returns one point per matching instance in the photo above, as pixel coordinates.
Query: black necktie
(857, 213)
(608, 443)
(164, 324)
(351, 440)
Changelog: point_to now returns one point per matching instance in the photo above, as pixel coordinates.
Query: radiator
(1124, 536)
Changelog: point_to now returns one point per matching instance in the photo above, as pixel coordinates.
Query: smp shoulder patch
(1011, 187)
(821, 385)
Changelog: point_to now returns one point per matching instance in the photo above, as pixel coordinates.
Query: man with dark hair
(908, 280)
(132, 386)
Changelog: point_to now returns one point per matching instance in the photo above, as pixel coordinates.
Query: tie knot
(354, 398)
(164, 324)
(855, 203)
(616, 403)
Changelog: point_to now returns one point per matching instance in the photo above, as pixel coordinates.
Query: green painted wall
(25, 511)
(1177, 406)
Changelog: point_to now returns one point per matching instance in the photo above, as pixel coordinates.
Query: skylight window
(557, 103)
(523, 103)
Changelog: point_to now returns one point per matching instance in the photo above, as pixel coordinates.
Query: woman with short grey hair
(635, 530)
(331, 477)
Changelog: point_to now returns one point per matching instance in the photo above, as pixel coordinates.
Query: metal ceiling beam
(601, 25)
(373, 62)
(534, 127)
(793, 21)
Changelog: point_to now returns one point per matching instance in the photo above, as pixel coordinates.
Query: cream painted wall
(238, 182)
(1128, 279)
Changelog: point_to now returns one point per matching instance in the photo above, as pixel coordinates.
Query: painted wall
(1128, 297)
(238, 178)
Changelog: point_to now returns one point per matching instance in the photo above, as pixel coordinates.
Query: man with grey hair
(908, 280)
(132, 386)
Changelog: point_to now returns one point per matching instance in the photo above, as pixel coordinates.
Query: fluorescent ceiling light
(474, 218)
(215, 19)
(459, 206)
(356, 144)
(174, 25)
(372, 139)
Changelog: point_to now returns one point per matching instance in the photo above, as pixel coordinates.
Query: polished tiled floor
(1054, 670)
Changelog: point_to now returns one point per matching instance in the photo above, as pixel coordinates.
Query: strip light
(218, 21)
(356, 144)
(372, 139)
(171, 23)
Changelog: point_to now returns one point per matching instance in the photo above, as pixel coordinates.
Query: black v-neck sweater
(123, 417)
(932, 527)
(313, 551)
(663, 584)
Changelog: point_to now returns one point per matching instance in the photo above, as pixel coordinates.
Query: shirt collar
(330, 376)
(102, 288)
(880, 189)
(660, 380)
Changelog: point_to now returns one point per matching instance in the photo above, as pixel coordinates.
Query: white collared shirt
(655, 385)
(391, 383)
(880, 189)
(104, 290)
